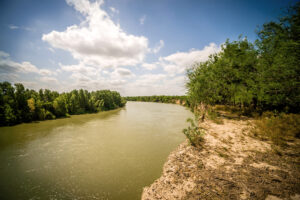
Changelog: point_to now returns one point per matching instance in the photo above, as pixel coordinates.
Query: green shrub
(194, 133)
(49, 115)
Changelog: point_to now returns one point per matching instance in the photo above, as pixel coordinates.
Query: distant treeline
(161, 99)
(18, 104)
(264, 75)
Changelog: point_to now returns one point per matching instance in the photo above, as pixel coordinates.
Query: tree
(18, 104)
(227, 77)
(279, 68)
(264, 75)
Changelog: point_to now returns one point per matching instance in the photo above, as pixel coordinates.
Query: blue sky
(137, 47)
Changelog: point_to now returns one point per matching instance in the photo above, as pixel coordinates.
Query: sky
(135, 47)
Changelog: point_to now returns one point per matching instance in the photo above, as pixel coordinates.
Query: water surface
(108, 155)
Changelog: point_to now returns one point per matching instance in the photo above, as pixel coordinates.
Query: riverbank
(231, 164)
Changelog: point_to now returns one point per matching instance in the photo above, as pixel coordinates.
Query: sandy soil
(231, 164)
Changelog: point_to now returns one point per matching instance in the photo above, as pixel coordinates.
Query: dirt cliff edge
(231, 164)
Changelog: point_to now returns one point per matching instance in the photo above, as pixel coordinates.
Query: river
(108, 155)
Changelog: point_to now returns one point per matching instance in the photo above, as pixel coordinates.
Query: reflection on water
(109, 155)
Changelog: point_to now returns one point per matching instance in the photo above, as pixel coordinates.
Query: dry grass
(280, 128)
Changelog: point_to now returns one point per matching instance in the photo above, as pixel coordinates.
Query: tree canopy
(263, 75)
(18, 104)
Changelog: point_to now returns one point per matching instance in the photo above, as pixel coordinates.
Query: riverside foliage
(194, 133)
(161, 99)
(18, 104)
(263, 75)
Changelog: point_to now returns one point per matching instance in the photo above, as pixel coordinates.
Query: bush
(49, 115)
(194, 133)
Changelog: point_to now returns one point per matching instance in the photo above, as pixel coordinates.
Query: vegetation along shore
(245, 141)
(18, 104)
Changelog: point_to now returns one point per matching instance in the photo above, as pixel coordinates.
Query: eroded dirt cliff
(231, 164)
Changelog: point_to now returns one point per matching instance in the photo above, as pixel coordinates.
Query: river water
(108, 155)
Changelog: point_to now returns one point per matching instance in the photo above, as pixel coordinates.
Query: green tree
(279, 62)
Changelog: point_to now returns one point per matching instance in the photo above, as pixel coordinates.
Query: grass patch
(279, 128)
(236, 111)
(214, 116)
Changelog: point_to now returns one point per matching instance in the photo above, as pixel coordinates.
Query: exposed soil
(231, 164)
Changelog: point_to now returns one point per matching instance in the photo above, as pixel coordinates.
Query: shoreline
(65, 117)
(231, 164)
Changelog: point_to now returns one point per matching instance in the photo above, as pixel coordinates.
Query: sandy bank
(232, 164)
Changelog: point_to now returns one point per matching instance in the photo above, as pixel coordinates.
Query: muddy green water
(109, 155)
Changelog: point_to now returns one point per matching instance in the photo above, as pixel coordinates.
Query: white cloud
(142, 19)
(11, 26)
(160, 45)
(149, 66)
(177, 63)
(123, 72)
(98, 41)
(14, 27)
(156, 84)
(120, 74)
(80, 68)
(51, 49)
(170, 81)
(8, 66)
(10, 77)
(3, 54)
(80, 77)
(117, 82)
(46, 72)
(49, 80)
(151, 78)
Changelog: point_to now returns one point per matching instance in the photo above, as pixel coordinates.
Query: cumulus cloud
(117, 82)
(80, 68)
(178, 62)
(3, 54)
(46, 72)
(142, 19)
(98, 41)
(149, 66)
(9, 67)
(48, 79)
(124, 72)
(120, 75)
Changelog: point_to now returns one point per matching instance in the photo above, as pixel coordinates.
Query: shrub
(194, 133)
